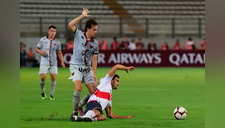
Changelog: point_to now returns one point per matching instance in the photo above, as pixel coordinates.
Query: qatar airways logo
(176, 59)
(186, 58)
(127, 58)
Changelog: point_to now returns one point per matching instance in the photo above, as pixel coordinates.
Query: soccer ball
(180, 113)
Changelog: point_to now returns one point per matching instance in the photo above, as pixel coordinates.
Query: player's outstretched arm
(112, 115)
(113, 70)
(76, 20)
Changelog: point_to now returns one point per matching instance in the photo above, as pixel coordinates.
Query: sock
(90, 114)
(76, 100)
(94, 119)
(84, 100)
(53, 83)
(42, 83)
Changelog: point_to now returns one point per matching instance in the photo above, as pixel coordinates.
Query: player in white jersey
(102, 98)
(48, 46)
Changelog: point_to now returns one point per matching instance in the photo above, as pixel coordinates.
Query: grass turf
(149, 94)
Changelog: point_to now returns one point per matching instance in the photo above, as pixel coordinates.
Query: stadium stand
(136, 14)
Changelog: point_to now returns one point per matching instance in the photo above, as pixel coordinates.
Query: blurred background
(148, 25)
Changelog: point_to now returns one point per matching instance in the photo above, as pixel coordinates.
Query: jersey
(103, 93)
(50, 46)
(189, 45)
(83, 49)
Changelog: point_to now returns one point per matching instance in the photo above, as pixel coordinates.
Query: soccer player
(47, 47)
(102, 98)
(84, 59)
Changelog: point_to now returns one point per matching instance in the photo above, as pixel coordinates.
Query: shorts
(93, 105)
(44, 69)
(83, 73)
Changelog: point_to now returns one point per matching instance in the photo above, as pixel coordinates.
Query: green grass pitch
(149, 94)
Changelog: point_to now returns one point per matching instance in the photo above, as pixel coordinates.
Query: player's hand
(85, 12)
(131, 68)
(43, 53)
(129, 116)
(95, 78)
(63, 65)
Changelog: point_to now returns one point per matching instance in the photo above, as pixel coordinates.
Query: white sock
(94, 119)
(90, 114)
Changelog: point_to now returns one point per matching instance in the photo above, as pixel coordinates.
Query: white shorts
(83, 73)
(44, 69)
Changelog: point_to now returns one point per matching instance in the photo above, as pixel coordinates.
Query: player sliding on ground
(102, 98)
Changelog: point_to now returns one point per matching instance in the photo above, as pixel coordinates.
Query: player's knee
(78, 87)
(53, 78)
(91, 88)
(101, 117)
(94, 86)
(91, 91)
(97, 113)
(43, 77)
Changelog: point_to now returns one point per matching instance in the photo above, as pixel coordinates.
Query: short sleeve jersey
(50, 46)
(103, 93)
(83, 49)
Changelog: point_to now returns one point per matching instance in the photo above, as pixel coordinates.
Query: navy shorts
(93, 105)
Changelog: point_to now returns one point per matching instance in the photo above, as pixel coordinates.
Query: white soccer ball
(180, 113)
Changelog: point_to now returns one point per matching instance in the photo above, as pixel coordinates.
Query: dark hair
(190, 39)
(116, 75)
(89, 23)
(52, 26)
(114, 38)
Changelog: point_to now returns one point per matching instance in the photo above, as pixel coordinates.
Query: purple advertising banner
(169, 58)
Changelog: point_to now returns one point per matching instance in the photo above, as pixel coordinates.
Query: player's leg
(53, 72)
(82, 103)
(91, 115)
(89, 81)
(101, 117)
(76, 96)
(91, 87)
(53, 84)
(42, 83)
(93, 111)
(98, 116)
(42, 72)
(76, 77)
